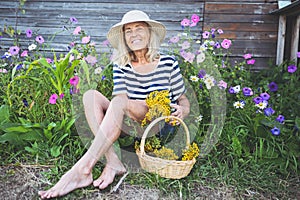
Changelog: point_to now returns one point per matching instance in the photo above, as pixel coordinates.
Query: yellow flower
(165, 153)
(158, 103)
(191, 152)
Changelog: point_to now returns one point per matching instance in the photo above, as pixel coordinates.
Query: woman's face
(137, 35)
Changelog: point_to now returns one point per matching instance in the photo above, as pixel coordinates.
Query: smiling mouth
(135, 41)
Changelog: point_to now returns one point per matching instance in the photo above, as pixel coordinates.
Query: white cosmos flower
(32, 47)
(194, 78)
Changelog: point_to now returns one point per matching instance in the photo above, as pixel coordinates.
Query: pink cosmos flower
(185, 22)
(74, 80)
(73, 20)
(39, 39)
(205, 34)
(195, 18)
(105, 43)
(28, 33)
(222, 84)
(61, 96)
(247, 56)
(251, 62)
(91, 60)
(220, 31)
(49, 60)
(85, 39)
(53, 98)
(14, 50)
(77, 30)
(24, 53)
(174, 39)
(185, 45)
(4, 71)
(226, 43)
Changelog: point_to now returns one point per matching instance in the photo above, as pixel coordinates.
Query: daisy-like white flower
(32, 47)
(209, 81)
(98, 70)
(199, 118)
(194, 78)
(239, 104)
(262, 105)
(200, 57)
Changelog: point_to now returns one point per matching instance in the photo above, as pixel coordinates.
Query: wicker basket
(173, 169)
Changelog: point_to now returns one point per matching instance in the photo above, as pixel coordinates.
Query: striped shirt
(166, 76)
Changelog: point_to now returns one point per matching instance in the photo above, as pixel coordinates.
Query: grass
(212, 177)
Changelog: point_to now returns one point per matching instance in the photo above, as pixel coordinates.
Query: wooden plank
(281, 39)
(240, 18)
(295, 39)
(251, 26)
(234, 7)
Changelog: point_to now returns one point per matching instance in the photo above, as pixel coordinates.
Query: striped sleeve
(119, 81)
(177, 83)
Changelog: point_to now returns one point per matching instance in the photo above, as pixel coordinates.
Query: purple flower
(265, 96)
(14, 50)
(247, 91)
(273, 87)
(205, 34)
(257, 100)
(28, 33)
(61, 96)
(39, 39)
(298, 54)
(291, 69)
(251, 62)
(25, 102)
(269, 111)
(275, 131)
(53, 98)
(73, 20)
(217, 45)
(174, 39)
(231, 90)
(19, 67)
(201, 73)
(280, 119)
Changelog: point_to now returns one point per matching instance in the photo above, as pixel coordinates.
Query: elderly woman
(138, 70)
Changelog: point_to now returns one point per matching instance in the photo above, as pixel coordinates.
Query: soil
(23, 182)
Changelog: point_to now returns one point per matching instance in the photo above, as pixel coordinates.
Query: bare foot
(107, 176)
(70, 181)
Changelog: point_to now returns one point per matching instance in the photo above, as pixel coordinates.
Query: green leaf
(4, 114)
(55, 151)
(86, 70)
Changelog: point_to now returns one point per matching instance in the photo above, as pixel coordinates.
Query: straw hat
(115, 31)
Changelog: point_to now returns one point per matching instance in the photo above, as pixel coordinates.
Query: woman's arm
(182, 107)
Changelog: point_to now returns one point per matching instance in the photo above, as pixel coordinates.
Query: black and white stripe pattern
(166, 76)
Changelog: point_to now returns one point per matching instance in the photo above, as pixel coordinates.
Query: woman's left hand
(178, 110)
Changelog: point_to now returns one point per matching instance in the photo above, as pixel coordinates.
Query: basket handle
(142, 149)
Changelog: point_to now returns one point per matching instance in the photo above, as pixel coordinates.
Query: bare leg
(80, 175)
(95, 106)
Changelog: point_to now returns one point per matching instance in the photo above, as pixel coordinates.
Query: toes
(97, 182)
(103, 185)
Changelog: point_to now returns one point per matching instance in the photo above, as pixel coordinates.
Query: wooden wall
(248, 23)
(94, 16)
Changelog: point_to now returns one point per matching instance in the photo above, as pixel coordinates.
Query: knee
(89, 96)
(120, 102)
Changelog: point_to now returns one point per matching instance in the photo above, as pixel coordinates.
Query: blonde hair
(123, 55)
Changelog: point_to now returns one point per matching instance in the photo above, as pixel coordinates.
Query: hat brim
(116, 31)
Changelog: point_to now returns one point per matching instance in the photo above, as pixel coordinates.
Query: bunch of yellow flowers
(191, 152)
(158, 103)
